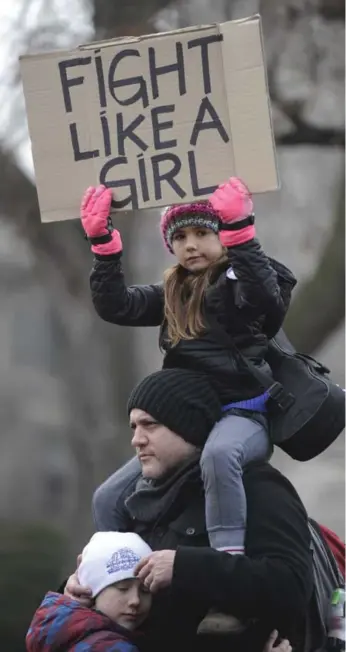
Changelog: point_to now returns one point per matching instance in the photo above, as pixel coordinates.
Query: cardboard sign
(162, 119)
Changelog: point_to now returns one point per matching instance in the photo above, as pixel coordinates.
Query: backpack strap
(316, 528)
(336, 545)
(280, 399)
(327, 578)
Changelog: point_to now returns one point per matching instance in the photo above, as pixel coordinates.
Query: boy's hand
(284, 646)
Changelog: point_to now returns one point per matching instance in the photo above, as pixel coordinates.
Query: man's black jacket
(272, 583)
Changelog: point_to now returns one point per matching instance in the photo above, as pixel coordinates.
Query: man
(268, 588)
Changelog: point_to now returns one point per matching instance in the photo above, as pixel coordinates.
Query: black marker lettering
(143, 178)
(215, 122)
(132, 198)
(177, 66)
(168, 176)
(203, 43)
(129, 132)
(196, 190)
(140, 94)
(160, 126)
(100, 80)
(78, 155)
(105, 133)
(67, 83)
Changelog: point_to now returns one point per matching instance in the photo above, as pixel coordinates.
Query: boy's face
(127, 603)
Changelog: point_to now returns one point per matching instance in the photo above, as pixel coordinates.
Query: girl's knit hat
(179, 216)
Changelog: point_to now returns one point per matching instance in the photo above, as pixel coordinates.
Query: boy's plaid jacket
(61, 624)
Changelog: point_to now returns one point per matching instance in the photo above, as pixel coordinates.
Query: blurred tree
(30, 564)
(92, 353)
(306, 72)
(289, 27)
(63, 259)
(319, 307)
(132, 18)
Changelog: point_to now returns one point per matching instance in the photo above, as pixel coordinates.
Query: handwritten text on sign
(161, 119)
(148, 145)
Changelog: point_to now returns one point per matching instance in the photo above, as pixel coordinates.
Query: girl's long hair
(184, 295)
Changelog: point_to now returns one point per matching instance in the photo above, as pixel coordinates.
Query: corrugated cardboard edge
(269, 102)
(144, 37)
(229, 130)
(156, 35)
(45, 55)
(121, 40)
(255, 18)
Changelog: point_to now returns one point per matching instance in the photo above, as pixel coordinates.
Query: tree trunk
(130, 18)
(320, 304)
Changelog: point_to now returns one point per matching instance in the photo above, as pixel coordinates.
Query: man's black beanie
(184, 401)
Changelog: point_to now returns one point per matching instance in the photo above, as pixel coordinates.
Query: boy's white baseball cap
(110, 557)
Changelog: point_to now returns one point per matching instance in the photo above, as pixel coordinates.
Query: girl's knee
(218, 456)
(212, 450)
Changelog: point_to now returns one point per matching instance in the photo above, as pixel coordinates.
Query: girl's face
(196, 247)
(127, 603)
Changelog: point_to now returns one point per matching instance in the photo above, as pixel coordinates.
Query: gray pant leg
(234, 442)
(108, 503)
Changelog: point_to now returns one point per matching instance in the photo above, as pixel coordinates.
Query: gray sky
(17, 19)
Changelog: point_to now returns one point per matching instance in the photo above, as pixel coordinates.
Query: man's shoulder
(263, 471)
(276, 517)
(260, 478)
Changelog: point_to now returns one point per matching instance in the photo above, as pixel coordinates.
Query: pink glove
(232, 201)
(95, 210)
(114, 246)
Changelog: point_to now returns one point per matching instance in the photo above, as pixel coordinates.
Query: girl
(221, 280)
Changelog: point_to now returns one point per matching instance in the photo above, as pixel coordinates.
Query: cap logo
(122, 560)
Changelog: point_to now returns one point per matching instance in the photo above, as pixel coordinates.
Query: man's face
(159, 449)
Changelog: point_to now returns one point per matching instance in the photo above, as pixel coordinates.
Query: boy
(120, 601)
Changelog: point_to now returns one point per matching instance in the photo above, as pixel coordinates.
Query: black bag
(309, 409)
(306, 409)
(327, 578)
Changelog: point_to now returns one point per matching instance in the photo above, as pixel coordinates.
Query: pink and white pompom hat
(179, 216)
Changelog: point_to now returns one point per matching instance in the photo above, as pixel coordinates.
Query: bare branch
(320, 305)
(333, 9)
(305, 134)
(306, 70)
(130, 18)
(56, 246)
